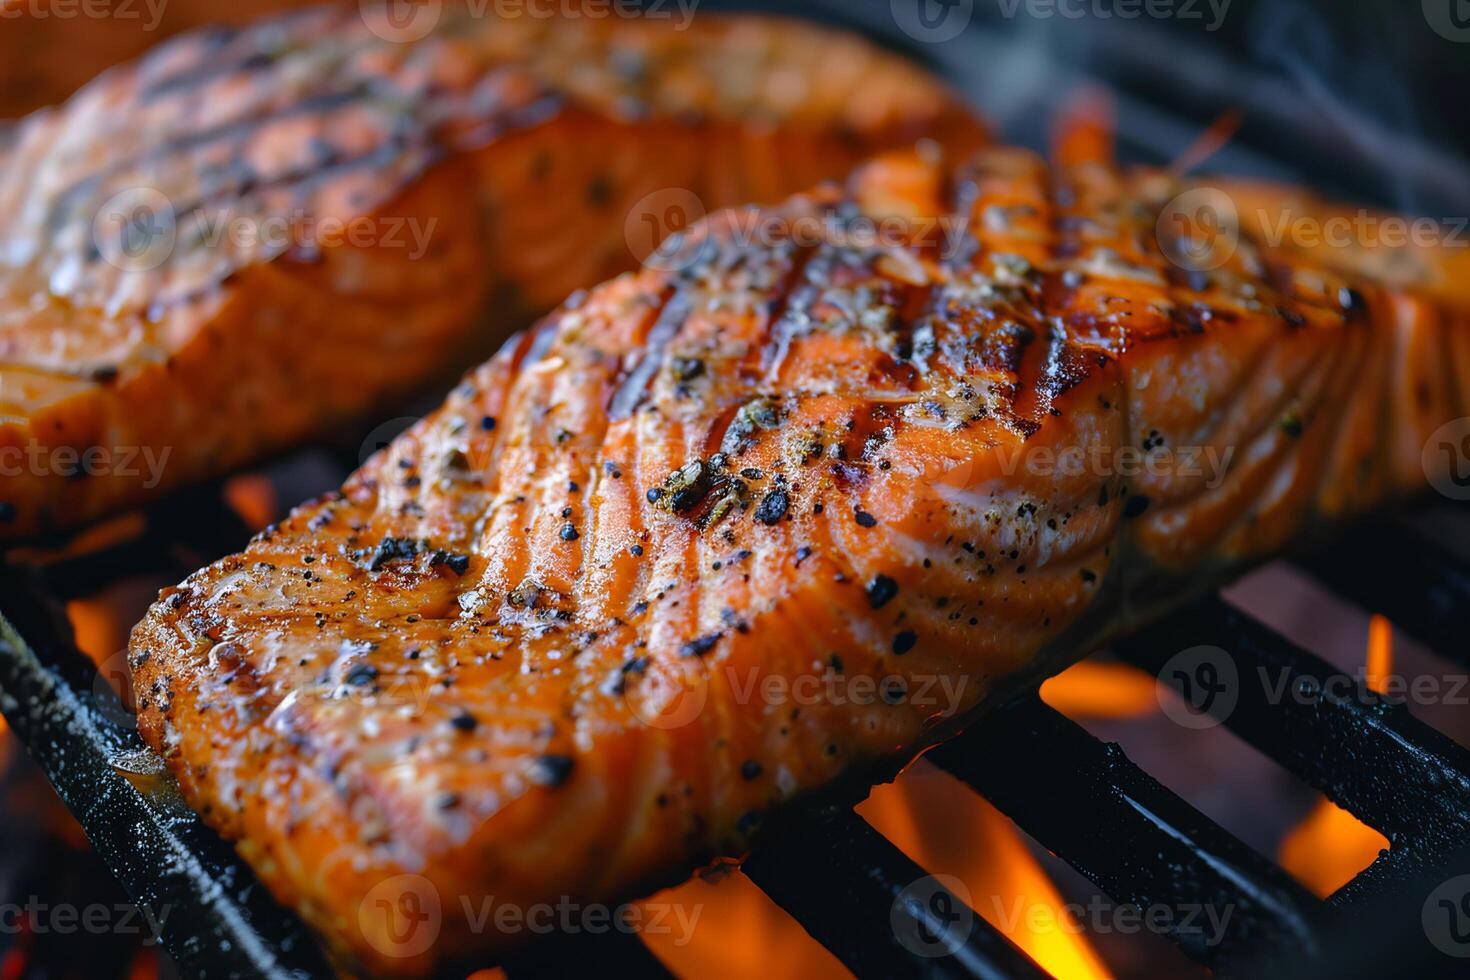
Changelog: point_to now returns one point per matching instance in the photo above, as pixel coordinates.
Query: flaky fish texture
(801, 496)
(252, 235)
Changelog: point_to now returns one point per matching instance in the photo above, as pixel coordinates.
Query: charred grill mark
(791, 306)
(1067, 365)
(256, 50)
(240, 129)
(477, 132)
(962, 193)
(675, 310)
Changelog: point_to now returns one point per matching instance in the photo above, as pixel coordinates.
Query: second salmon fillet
(250, 236)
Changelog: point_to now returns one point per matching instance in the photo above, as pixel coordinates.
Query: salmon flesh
(251, 236)
(551, 643)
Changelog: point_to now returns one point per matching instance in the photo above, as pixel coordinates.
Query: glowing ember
(949, 829)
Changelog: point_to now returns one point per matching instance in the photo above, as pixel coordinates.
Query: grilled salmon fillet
(777, 512)
(34, 73)
(250, 235)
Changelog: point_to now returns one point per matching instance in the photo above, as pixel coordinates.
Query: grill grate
(1078, 796)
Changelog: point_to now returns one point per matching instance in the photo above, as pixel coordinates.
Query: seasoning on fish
(251, 235)
(633, 694)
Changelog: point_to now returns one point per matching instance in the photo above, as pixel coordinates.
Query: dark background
(1362, 98)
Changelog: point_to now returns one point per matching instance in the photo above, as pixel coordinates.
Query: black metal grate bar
(851, 890)
(1393, 568)
(1363, 751)
(219, 921)
(1085, 801)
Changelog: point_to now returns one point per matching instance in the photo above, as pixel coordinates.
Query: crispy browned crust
(527, 651)
(291, 223)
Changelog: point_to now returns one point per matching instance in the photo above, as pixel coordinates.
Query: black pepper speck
(552, 770)
(881, 590)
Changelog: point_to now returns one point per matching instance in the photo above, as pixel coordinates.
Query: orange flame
(739, 932)
(98, 630)
(1328, 848)
(1102, 689)
(252, 496)
(949, 829)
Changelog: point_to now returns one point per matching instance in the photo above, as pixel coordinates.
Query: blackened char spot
(699, 646)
